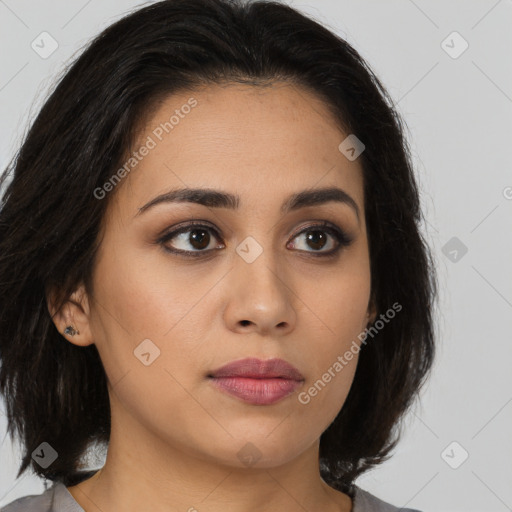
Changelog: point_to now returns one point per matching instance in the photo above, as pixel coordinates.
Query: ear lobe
(72, 317)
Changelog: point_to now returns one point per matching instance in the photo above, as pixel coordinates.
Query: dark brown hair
(50, 219)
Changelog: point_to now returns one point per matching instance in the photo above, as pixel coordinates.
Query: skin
(175, 438)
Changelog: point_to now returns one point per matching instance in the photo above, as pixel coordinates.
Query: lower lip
(256, 391)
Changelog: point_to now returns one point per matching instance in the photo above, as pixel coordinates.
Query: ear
(372, 311)
(74, 312)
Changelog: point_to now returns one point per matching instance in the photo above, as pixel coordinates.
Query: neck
(133, 480)
(145, 471)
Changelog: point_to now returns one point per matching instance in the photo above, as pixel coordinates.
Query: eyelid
(183, 227)
(327, 226)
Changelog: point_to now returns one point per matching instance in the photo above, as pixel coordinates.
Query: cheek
(326, 390)
(144, 298)
(148, 352)
(156, 394)
(320, 401)
(149, 313)
(340, 305)
(333, 349)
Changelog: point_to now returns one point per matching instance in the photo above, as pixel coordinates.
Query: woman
(210, 262)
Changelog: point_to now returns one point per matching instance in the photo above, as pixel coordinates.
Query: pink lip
(257, 382)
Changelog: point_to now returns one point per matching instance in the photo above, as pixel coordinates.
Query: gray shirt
(58, 499)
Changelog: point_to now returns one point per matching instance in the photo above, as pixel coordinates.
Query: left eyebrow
(219, 199)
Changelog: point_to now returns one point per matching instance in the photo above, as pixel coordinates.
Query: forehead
(261, 142)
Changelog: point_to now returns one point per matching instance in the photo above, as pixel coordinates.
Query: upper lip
(257, 369)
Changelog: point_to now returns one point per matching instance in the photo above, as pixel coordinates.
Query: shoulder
(55, 499)
(33, 503)
(363, 501)
(58, 499)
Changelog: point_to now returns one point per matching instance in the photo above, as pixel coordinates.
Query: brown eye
(318, 237)
(190, 238)
(199, 238)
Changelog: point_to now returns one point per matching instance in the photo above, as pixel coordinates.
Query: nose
(260, 297)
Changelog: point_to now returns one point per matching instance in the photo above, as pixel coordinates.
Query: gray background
(458, 112)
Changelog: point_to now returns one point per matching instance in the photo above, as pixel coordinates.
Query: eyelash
(340, 236)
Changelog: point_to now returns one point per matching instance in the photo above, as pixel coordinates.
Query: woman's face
(256, 283)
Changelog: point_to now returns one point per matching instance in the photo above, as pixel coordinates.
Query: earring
(71, 330)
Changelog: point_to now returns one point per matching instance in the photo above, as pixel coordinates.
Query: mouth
(257, 382)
